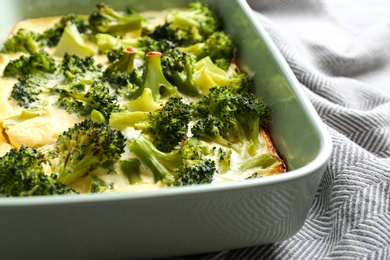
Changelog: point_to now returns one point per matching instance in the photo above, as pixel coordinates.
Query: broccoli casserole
(120, 100)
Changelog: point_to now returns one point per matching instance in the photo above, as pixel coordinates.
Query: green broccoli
(84, 91)
(74, 42)
(260, 161)
(179, 67)
(122, 75)
(85, 147)
(54, 34)
(224, 160)
(198, 15)
(125, 63)
(207, 75)
(196, 78)
(114, 54)
(22, 174)
(37, 63)
(100, 186)
(170, 33)
(218, 46)
(109, 44)
(166, 127)
(82, 99)
(131, 168)
(77, 69)
(106, 43)
(187, 27)
(154, 79)
(29, 91)
(231, 120)
(24, 41)
(107, 20)
(185, 166)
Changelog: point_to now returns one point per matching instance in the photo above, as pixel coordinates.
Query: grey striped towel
(346, 75)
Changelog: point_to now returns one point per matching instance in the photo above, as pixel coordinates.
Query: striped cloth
(346, 75)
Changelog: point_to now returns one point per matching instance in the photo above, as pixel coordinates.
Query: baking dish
(186, 220)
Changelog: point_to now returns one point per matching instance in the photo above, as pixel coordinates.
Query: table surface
(360, 14)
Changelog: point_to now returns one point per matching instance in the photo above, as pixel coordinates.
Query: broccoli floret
(77, 69)
(260, 161)
(230, 119)
(131, 168)
(22, 174)
(99, 98)
(106, 43)
(195, 78)
(85, 147)
(107, 20)
(114, 54)
(187, 27)
(179, 68)
(122, 75)
(86, 92)
(224, 159)
(185, 166)
(170, 33)
(233, 121)
(127, 85)
(99, 186)
(37, 63)
(166, 127)
(82, 99)
(198, 15)
(147, 44)
(54, 34)
(153, 78)
(24, 41)
(208, 75)
(219, 47)
(73, 42)
(125, 63)
(29, 90)
(143, 103)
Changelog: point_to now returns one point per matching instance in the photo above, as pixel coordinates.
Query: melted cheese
(41, 130)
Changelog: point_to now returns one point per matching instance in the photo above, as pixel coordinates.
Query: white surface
(360, 14)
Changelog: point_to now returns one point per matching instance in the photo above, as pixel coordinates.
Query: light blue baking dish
(185, 220)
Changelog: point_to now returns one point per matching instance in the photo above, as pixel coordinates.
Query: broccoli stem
(145, 102)
(154, 78)
(72, 42)
(258, 162)
(185, 84)
(131, 168)
(161, 164)
(126, 119)
(68, 175)
(126, 62)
